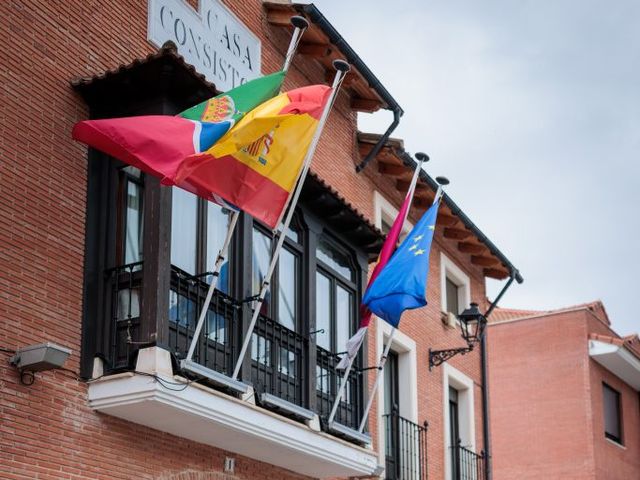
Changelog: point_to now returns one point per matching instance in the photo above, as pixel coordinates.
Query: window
(285, 285)
(198, 230)
(451, 292)
(459, 420)
(385, 214)
(612, 416)
(335, 296)
(455, 287)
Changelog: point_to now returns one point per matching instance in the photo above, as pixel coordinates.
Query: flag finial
(422, 157)
(442, 180)
(299, 22)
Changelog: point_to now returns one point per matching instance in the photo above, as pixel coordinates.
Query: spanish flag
(255, 165)
(156, 144)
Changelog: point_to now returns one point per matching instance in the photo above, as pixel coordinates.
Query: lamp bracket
(438, 357)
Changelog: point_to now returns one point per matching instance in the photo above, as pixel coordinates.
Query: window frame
(618, 407)
(449, 270)
(298, 250)
(337, 279)
(384, 210)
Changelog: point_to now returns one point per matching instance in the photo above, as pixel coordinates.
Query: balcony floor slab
(207, 416)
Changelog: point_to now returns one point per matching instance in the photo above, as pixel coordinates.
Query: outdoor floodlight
(36, 358)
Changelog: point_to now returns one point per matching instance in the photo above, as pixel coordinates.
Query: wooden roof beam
(392, 170)
(368, 105)
(279, 18)
(483, 261)
(456, 233)
(496, 273)
(403, 186)
(315, 50)
(473, 248)
(348, 81)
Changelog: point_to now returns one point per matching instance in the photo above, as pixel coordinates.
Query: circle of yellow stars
(414, 248)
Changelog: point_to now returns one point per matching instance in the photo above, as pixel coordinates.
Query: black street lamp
(473, 325)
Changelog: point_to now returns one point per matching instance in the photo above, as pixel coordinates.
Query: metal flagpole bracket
(349, 433)
(219, 379)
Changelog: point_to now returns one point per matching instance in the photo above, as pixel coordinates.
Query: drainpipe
(486, 431)
(397, 113)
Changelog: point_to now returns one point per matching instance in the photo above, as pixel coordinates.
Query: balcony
(283, 367)
(405, 448)
(466, 464)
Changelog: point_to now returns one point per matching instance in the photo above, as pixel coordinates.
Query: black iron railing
(217, 345)
(124, 284)
(405, 448)
(328, 380)
(466, 464)
(279, 361)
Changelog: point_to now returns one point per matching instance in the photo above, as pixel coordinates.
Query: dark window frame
(337, 279)
(618, 413)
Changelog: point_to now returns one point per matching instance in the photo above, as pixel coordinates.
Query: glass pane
(385, 225)
(611, 413)
(334, 258)
(217, 224)
(323, 311)
(322, 380)
(260, 350)
(182, 311)
(344, 317)
(184, 214)
(215, 327)
(261, 257)
(287, 362)
(128, 304)
(452, 297)
(133, 225)
(293, 234)
(288, 278)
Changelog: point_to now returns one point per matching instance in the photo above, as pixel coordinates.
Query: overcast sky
(532, 109)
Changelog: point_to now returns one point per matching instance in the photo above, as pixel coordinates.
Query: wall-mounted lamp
(473, 325)
(36, 358)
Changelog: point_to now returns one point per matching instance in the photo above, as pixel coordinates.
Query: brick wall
(47, 430)
(539, 380)
(613, 461)
(546, 401)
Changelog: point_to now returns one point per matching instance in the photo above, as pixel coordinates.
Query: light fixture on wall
(36, 358)
(473, 325)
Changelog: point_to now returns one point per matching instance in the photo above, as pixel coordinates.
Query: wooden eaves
(394, 162)
(367, 93)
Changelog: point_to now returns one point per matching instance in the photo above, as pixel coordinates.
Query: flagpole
(422, 158)
(342, 68)
(387, 347)
(300, 25)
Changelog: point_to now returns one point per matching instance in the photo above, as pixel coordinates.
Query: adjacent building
(565, 400)
(100, 259)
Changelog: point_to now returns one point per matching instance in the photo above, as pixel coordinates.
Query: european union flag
(402, 283)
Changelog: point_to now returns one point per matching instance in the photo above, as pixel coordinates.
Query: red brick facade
(547, 414)
(47, 430)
